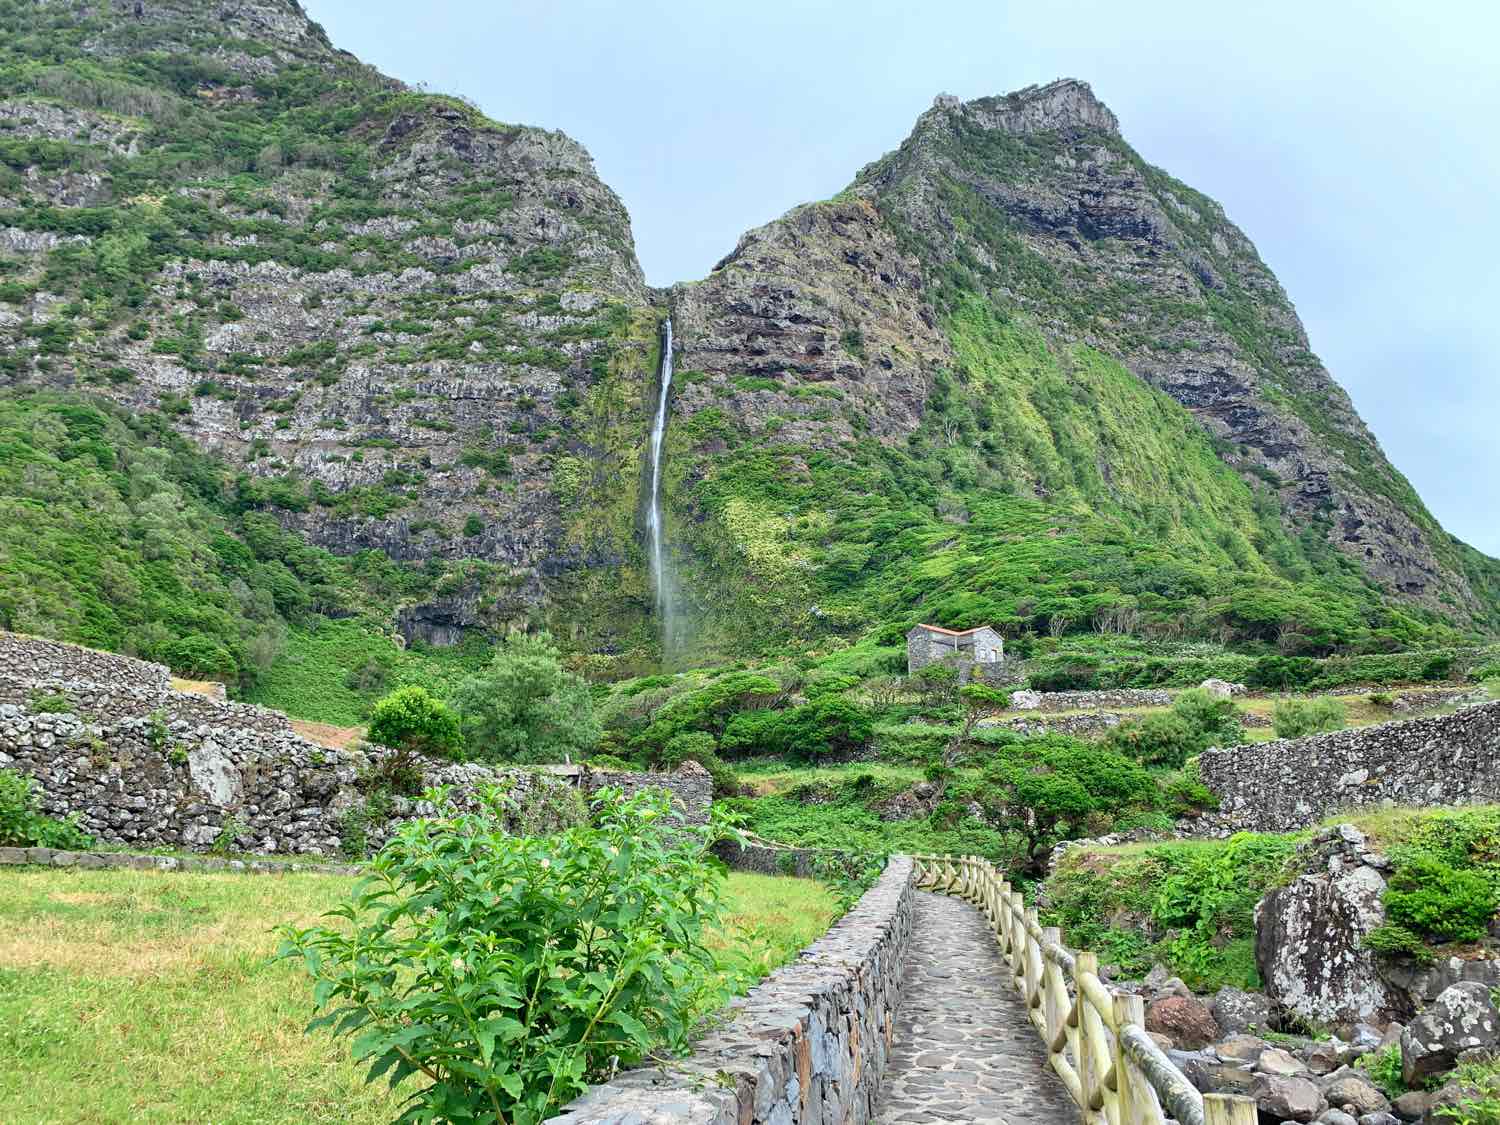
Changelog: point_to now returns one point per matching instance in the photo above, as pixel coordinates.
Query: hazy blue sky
(1355, 142)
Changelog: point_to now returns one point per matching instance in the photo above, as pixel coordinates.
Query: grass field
(132, 996)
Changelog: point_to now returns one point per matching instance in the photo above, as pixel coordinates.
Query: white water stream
(659, 576)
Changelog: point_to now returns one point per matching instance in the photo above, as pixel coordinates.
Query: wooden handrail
(1095, 1037)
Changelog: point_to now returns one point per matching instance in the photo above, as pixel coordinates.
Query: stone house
(966, 648)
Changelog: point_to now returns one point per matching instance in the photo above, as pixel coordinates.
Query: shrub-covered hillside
(972, 387)
(117, 533)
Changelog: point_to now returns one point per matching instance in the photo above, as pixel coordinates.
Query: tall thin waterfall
(659, 575)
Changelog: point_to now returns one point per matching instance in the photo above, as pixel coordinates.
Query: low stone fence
(807, 1046)
(137, 861)
(761, 859)
(1111, 699)
(1293, 783)
(1077, 726)
(133, 783)
(113, 703)
(25, 657)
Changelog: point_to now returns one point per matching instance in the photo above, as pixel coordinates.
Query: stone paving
(964, 1049)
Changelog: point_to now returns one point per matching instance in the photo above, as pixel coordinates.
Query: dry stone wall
(142, 765)
(25, 657)
(1112, 699)
(113, 703)
(106, 688)
(807, 1046)
(131, 783)
(1293, 783)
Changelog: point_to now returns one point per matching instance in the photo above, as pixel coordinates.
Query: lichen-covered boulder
(1237, 1011)
(1219, 689)
(1025, 700)
(1309, 936)
(1184, 1020)
(1462, 1018)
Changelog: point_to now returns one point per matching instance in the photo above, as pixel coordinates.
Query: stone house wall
(1294, 783)
(807, 1046)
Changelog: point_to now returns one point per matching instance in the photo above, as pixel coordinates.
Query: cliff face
(421, 331)
(391, 310)
(1041, 202)
(1034, 202)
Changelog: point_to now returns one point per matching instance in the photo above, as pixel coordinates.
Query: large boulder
(1462, 1018)
(1287, 1099)
(1219, 689)
(1354, 1094)
(1237, 1011)
(1025, 700)
(1309, 935)
(1182, 1019)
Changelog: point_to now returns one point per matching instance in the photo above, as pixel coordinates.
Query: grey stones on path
(964, 1049)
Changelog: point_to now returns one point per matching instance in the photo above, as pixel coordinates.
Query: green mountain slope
(1013, 373)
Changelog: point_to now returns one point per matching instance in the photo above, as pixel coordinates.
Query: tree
(410, 720)
(829, 726)
(978, 701)
(1046, 789)
(1296, 718)
(525, 706)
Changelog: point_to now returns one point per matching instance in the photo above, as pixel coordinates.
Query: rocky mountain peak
(1066, 103)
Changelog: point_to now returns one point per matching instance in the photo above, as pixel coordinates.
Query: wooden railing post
(1228, 1109)
(1086, 1030)
(1135, 1102)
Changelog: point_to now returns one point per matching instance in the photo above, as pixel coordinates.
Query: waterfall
(659, 576)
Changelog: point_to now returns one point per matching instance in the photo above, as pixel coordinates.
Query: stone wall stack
(142, 765)
(1294, 783)
(807, 1046)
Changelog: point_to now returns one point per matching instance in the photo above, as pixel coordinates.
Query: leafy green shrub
(1438, 667)
(1485, 672)
(1384, 1069)
(49, 703)
(1296, 718)
(1441, 902)
(1073, 675)
(22, 824)
(829, 727)
(525, 706)
(411, 720)
(1390, 940)
(1380, 699)
(1208, 897)
(1282, 672)
(847, 875)
(1196, 722)
(508, 972)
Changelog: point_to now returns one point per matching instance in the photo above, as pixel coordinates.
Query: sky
(1354, 141)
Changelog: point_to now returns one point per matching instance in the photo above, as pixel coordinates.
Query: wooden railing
(1096, 1039)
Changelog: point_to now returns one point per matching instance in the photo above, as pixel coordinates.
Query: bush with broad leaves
(504, 974)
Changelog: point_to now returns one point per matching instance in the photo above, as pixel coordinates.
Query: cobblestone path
(964, 1049)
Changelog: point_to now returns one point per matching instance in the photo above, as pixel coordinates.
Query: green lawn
(147, 996)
